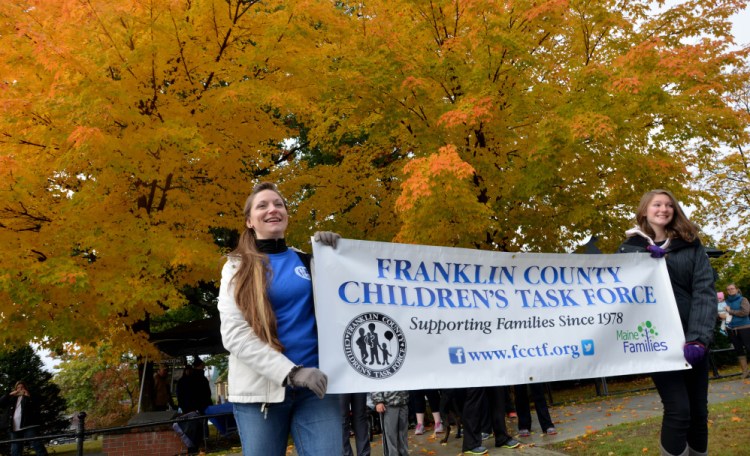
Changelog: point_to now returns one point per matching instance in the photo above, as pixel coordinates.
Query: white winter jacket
(256, 371)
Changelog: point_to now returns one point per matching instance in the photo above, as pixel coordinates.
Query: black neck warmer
(271, 245)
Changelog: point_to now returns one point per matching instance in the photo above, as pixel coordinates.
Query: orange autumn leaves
(130, 132)
(437, 204)
(443, 170)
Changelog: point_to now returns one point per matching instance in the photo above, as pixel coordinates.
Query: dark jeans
(359, 420)
(684, 395)
(523, 408)
(17, 448)
(740, 339)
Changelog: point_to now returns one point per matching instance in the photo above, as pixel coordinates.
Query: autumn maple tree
(132, 131)
(566, 111)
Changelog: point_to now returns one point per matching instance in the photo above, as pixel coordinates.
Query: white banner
(401, 317)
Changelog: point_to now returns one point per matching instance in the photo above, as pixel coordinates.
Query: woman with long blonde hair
(268, 326)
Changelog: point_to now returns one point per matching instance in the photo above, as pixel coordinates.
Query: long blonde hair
(252, 278)
(678, 227)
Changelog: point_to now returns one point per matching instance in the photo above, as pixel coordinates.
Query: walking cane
(382, 433)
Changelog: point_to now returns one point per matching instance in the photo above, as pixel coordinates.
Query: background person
(268, 326)
(163, 390)
(420, 408)
(495, 412)
(393, 407)
(738, 326)
(23, 414)
(199, 388)
(664, 231)
(523, 409)
(355, 416)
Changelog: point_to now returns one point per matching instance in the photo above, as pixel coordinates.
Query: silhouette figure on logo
(386, 353)
(362, 345)
(372, 341)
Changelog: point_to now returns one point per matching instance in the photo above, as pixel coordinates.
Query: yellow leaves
(736, 419)
(547, 8)
(437, 204)
(7, 166)
(591, 125)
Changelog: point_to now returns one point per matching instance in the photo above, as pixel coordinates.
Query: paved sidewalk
(571, 421)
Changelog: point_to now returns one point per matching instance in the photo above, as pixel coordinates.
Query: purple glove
(694, 352)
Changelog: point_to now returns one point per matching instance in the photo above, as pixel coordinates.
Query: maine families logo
(645, 339)
(374, 345)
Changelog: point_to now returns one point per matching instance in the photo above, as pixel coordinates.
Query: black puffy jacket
(692, 280)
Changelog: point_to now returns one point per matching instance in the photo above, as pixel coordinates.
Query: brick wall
(139, 442)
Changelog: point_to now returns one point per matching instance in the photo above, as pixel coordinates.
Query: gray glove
(309, 377)
(327, 238)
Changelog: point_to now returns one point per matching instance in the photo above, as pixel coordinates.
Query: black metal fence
(81, 433)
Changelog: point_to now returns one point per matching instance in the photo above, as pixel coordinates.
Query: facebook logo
(588, 347)
(457, 355)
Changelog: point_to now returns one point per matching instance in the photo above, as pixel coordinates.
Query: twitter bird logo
(588, 347)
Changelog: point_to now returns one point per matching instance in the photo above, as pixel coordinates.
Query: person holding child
(737, 309)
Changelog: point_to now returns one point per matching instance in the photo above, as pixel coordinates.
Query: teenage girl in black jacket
(664, 231)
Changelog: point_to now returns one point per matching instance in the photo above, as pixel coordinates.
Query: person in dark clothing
(193, 396)
(183, 389)
(193, 389)
(23, 416)
(664, 230)
(201, 387)
(478, 404)
(354, 415)
(496, 408)
(523, 408)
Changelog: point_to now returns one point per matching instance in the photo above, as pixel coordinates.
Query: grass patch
(727, 430)
(71, 449)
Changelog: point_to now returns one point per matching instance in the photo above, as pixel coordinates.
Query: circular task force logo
(374, 345)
